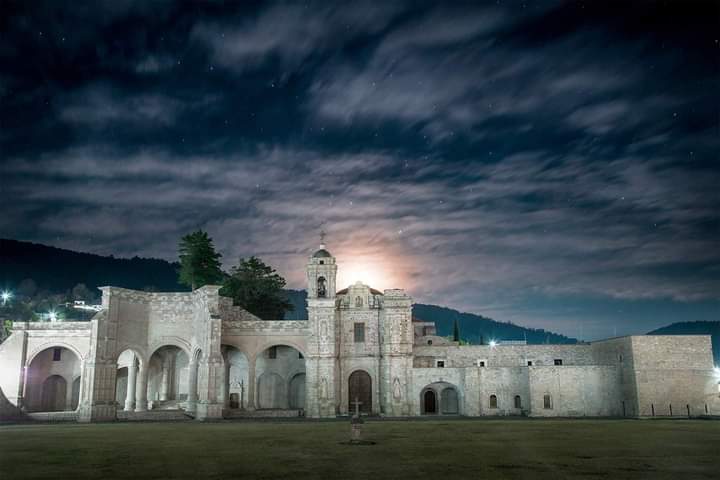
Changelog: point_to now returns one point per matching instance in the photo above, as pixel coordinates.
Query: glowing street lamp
(493, 343)
(52, 316)
(5, 296)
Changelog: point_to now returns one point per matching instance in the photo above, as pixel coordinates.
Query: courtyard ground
(448, 450)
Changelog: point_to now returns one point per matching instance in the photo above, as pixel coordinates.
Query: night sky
(549, 164)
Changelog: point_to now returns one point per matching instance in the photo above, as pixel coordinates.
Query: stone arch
(445, 397)
(275, 361)
(137, 350)
(428, 401)
(236, 385)
(54, 344)
(280, 342)
(171, 342)
(167, 371)
(131, 378)
(50, 374)
(360, 388)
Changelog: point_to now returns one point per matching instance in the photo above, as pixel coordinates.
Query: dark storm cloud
(523, 161)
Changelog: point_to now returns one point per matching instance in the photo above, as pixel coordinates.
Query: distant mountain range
(58, 270)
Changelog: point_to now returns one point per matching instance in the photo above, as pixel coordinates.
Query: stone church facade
(152, 355)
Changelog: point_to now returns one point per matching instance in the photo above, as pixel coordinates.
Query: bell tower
(321, 273)
(321, 360)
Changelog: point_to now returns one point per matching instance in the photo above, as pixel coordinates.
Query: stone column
(68, 395)
(225, 391)
(141, 390)
(131, 383)
(251, 384)
(192, 385)
(165, 382)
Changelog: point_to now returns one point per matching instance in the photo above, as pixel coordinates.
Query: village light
(493, 343)
(52, 316)
(6, 296)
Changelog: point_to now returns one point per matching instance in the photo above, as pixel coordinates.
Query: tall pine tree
(456, 331)
(199, 262)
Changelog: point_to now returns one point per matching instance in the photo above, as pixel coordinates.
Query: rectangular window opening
(440, 364)
(57, 354)
(558, 361)
(359, 333)
(272, 352)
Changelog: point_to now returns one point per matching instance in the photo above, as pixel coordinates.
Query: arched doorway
(236, 377)
(130, 382)
(51, 376)
(429, 401)
(449, 401)
(360, 389)
(275, 369)
(168, 378)
(54, 393)
(297, 391)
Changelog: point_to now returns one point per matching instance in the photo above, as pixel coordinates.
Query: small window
(57, 354)
(429, 342)
(529, 363)
(440, 364)
(481, 363)
(322, 262)
(272, 352)
(518, 401)
(493, 401)
(558, 361)
(359, 333)
(547, 402)
(358, 301)
(620, 357)
(321, 287)
(300, 355)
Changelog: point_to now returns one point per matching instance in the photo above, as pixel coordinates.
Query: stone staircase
(165, 415)
(263, 413)
(70, 416)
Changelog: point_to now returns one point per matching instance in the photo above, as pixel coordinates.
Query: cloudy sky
(550, 164)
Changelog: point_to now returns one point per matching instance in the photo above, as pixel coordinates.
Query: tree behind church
(257, 288)
(199, 262)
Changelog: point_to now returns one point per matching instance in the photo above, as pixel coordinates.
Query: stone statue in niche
(323, 388)
(397, 393)
(323, 331)
(359, 302)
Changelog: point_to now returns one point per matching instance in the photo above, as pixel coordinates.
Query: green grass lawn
(427, 449)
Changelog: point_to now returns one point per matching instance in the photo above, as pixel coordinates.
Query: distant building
(151, 354)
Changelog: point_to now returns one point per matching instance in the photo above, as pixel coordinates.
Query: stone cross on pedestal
(357, 404)
(356, 424)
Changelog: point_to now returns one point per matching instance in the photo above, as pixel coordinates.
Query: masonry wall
(674, 371)
(575, 391)
(503, 355)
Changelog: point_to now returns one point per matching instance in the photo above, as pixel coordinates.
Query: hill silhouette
(58, 270)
